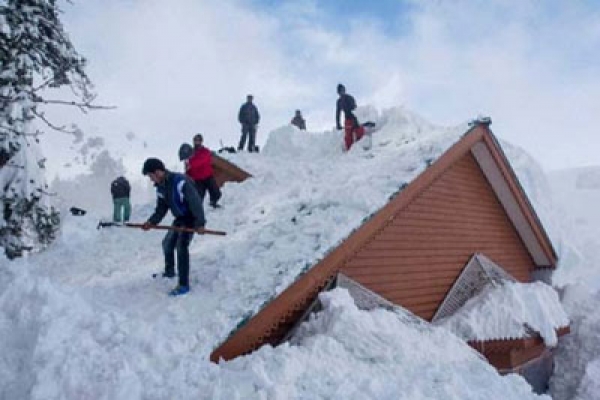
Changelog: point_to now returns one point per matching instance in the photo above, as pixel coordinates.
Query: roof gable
(274, 320)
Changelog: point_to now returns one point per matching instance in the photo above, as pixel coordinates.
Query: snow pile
(510, 311)
(84, 319)
(578, 357)
(588, 179)
(370, 355)
(91, 191)
(580, 262)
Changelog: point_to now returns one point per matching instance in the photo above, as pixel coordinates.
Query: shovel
(200, 231)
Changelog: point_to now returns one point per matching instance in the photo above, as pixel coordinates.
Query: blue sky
(393, 16)
(532, 65)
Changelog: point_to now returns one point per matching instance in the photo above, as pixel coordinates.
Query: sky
(173, 71)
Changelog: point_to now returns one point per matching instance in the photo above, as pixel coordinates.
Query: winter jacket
(347, 104)
(178, 194)
(120, 188)
(299, 122)
(248, 114)
(199, 165)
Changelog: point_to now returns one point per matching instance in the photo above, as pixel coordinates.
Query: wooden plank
(433, 291)
(437, 242)
(407, 268)
(387, 284)
(447, 189)
(420, 271)
(394, 275)
(464, 211)
(457, 251)
(404, 231)
(452, 203)
(454, 218)
(420, 303)
(407, 261)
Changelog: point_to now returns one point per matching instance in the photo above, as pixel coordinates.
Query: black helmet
(185, 151)
(152, 165)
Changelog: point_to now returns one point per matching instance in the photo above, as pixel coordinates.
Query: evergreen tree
(35, 55)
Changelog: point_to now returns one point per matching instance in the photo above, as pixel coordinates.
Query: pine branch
(84, 106)
(62, 129)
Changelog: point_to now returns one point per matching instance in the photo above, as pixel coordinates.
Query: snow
(578, 356)
(510, 311)
(84, 319)
(390, 358)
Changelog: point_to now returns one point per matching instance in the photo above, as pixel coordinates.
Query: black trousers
(179, 241)
(209, 184)
(248, 131)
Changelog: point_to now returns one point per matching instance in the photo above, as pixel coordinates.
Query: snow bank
(84, 319)
(510, 311)
(369, 355)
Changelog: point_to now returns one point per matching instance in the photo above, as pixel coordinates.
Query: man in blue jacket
(177, 193)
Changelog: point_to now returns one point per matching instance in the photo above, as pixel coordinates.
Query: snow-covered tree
(36, 55)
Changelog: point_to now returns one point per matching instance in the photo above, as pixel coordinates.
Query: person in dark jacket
(120, 190)
(249, 118)
(353, 131)
(199, 168)
(298, 121)
(177, 193)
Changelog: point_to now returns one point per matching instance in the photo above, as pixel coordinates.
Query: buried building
(461, 225)
(226, 171)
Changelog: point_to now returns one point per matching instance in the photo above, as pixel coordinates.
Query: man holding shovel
(177, 193)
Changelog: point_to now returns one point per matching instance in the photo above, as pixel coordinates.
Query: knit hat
(152, 165)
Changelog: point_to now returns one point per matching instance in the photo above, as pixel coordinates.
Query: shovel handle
(201, 231)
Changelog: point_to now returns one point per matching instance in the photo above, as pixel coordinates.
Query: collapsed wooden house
(413, 250)
(225, 171)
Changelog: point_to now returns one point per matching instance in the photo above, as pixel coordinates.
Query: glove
(147, 225)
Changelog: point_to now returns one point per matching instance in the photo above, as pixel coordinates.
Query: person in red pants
(353, 131)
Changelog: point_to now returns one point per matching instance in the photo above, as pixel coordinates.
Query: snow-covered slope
(86, 320)
(577, 193)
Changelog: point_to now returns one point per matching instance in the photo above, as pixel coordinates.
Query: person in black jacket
(353, 131)
(177, 193)
(298, 121)
(249, 118)
(120, 190)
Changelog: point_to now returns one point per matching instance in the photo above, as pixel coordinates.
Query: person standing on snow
(249, 118)
(120, 191)
(353, 131)
(177, 193)
(298, 121)
(199, 168)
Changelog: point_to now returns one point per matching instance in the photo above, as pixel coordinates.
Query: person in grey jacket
(249, 118)
(177, 193)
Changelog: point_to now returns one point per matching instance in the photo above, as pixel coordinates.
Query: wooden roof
(226, 171)
(271, 324)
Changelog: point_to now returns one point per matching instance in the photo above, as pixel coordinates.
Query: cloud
(177, 69)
